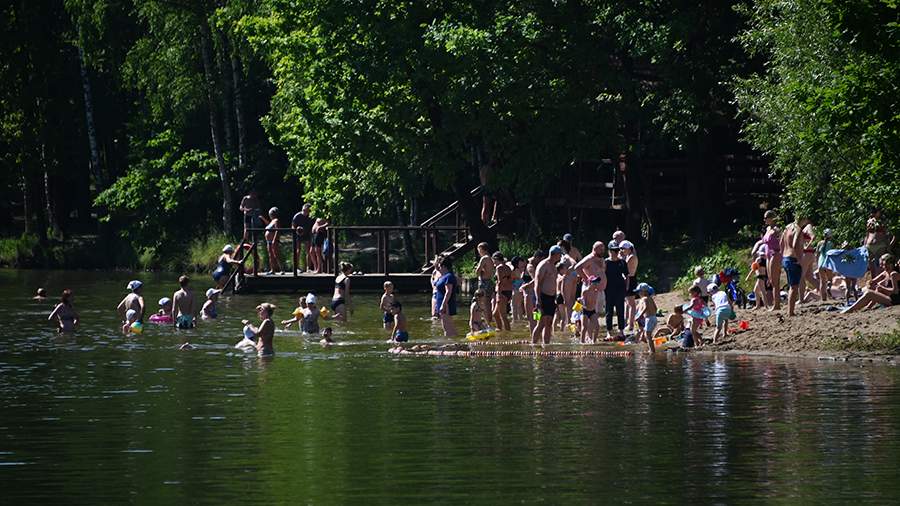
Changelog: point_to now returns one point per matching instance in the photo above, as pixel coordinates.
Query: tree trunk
(96, 169)
(222, 74)
(237, 82)
(50, 217)
(26, 203)
(214, 124)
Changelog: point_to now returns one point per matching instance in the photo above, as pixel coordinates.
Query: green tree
(826, 107)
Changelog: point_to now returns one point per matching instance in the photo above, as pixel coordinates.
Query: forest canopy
(144, 121)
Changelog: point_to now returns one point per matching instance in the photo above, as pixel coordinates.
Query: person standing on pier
(302, 223)
(252, 209)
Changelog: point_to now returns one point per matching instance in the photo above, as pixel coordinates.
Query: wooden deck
(323, 284)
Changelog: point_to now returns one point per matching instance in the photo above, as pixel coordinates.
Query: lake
(99, 417)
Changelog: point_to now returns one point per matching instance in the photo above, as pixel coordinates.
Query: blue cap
(165, 301)
(644, 286)
(134, 285)
(555, 249)
(614, 244)
(568, 238)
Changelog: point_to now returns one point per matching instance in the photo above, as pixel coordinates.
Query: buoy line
(399, 350)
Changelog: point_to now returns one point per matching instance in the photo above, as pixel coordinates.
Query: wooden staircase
(463, 242)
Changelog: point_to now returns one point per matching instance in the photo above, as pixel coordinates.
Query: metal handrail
(443, 213)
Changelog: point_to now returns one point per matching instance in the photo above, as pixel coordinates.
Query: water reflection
(353, 424)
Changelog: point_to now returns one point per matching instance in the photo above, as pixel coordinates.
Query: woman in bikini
(772, 243)
(65, 313)
(340, 301)
(272, 241)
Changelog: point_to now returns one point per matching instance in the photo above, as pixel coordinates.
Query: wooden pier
(323, 284)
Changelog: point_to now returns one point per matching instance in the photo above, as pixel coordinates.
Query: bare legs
(775, 278)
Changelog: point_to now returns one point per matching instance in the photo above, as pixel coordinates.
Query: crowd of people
(550, 289)
(310, 234)
(559, 289)
(820, 270)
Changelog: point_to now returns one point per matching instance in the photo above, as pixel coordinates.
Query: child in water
(399, 334)
(164, 315)
(326, 337)
(130, 317)
(646, 310)
(307, 314)
(387, 299)
(476, 312)
(209, 311)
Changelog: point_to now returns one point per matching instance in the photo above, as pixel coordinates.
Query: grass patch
(713, 260)
(18, 251)
(886, 343)
(203, 252)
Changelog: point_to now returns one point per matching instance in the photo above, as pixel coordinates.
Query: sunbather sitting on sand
(884, 289)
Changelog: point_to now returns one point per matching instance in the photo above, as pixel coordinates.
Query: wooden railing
(335, 234)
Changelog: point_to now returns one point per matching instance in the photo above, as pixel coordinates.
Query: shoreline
(817, 332)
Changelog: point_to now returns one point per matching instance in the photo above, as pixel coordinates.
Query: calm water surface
(103, 418)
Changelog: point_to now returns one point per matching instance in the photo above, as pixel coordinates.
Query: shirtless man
(485, 273)
(183, 305)
(133, 300)
(594, 266)
(504, 291)
(302, 224)
(792, 245)
(251, 208)
(545, 293)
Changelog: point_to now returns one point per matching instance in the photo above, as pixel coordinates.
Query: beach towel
(850, 263)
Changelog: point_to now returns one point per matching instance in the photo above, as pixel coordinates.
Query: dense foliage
(827, 107)
(143, 121)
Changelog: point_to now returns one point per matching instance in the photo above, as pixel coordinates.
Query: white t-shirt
(702, 283)
(720, 299)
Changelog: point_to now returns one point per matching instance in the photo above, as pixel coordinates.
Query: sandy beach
(815, 331)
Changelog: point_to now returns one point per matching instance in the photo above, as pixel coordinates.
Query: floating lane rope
(399, 350)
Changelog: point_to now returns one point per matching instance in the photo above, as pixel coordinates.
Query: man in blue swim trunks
(792, 251)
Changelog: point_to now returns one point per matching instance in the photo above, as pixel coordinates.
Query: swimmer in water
(130, 318)
(265, 333)
(40, 294)
(209, 311)
(326, 337)
(387, 299)
(164, 315)
(183, 305)
(399, 334)
(65, 313)
(133, 300)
